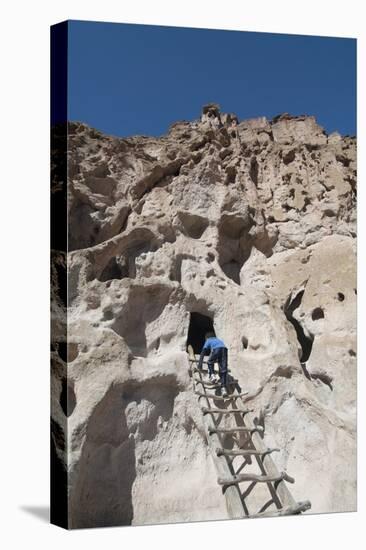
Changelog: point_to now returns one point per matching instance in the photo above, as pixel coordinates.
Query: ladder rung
(253, 477)
(244, 452)
(296, 508)
(208, 385)
(208, 410)
(219, 397)
(233, 430)
(196, 369)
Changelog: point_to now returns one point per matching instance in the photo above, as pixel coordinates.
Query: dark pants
(218, 355)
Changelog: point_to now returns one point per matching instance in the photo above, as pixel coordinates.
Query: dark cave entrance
(67, 397)
(198, 326)
(305, 341)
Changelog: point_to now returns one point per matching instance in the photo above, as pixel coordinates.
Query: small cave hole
(176, 269)
(340, 296)
(230, 174)
(108, 315)
(193, 226)
(199, 325)
(253, 171)
(306, 342)
(352, 353)
(307, 201)
(289, 157)
(232, 270)
(244, 342)
(114, 270)
(67, 397)
(317, 313)
(68, 351)
(62, 350)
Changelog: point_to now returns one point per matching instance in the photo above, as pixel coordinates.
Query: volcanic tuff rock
(251, 224)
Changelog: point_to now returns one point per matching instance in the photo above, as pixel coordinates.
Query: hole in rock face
(244, 341)
(230, 174)
(253, 171)
(114, 270)
(305, 341)
(67, 397)
(108, 315)
(141, 241)
(340, 296)
(176, 270)
(234, 244)
(68, 351)
(62, 350)
(193, 225)
(289, 157)
(317, 314)
(198, 326)
(352, 353)
(232, 270)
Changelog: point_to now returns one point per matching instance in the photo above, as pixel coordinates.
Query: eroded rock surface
(251, 224)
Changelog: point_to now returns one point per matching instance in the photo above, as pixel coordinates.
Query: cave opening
(67, 397)
(305, 341)
(115, 269)
(198, 326)
(234, 245)
(62, 350)
(232, 270)
(317, 313)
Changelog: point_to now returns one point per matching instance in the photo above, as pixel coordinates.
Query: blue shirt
(213, 343)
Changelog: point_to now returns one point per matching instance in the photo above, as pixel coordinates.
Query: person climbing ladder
(218, 353)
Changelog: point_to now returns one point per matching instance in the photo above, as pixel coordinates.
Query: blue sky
(138, 79)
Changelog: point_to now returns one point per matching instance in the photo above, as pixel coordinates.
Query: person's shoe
(212, 378)
(224, 392)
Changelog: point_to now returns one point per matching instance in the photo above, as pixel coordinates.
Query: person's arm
(203, 353)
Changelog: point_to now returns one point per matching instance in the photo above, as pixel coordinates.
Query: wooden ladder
(233, 448)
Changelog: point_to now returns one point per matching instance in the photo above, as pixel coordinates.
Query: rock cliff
(248, 227)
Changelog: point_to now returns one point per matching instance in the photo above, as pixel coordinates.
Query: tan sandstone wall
(252, 224)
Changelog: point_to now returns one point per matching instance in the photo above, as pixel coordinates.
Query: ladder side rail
(268, 466)
(232, 493)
